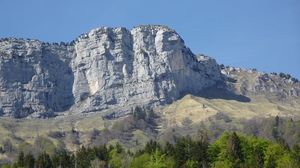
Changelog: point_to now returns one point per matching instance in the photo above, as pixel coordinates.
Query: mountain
(113, 85)
(106, 68)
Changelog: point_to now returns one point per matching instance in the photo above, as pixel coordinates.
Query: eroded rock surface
(277, 87)
(105, 68)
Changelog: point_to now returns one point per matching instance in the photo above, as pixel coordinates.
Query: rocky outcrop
(107, 68)
(273, 86)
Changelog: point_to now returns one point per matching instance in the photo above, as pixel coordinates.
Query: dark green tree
(62, 159)
(189, 152)
(29, 161)
(183, 151)
(21, 159)
(102, 153)
(200, 152)
(119, 148)
(169, 149)
(44, 161)
(152, 146)
(84, 156)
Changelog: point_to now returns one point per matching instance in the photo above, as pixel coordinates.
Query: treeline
(231, 150)
(272, 128)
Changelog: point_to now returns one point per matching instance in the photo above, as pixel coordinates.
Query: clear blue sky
(262, 34)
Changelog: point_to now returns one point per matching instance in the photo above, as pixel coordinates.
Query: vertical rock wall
(104, 69)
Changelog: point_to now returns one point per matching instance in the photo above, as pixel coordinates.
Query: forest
(230, 150)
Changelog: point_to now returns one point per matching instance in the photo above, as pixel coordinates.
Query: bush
(286, 76)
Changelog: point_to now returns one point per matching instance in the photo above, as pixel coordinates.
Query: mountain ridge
(116, 68)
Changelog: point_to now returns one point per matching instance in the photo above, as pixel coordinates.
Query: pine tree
(203, 145)
(169, 149)
(44, 161)
(84, 156)
(62, 159)
(183, 151)
(29, 161)
(152, 146)
(81, 158)
(20, 161)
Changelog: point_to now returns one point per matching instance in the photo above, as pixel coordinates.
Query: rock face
(35, 78)
(107, 68)
(276, 87)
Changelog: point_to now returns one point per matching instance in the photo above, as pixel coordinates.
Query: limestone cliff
(106, 68)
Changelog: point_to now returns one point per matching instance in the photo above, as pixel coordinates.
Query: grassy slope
(189, 109)
(199, 109)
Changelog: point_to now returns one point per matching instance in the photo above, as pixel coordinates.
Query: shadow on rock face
(60, 78)
(221, 92)
(36, 83)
